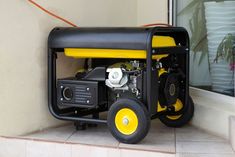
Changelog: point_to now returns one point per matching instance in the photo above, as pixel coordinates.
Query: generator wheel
(128, 120)
(179, 120)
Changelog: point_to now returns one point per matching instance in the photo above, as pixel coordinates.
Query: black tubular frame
(178, 33)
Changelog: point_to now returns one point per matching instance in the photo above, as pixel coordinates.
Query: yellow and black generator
(132, 74)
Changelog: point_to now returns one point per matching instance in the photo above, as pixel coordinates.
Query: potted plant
(210, 23)
(226, 52)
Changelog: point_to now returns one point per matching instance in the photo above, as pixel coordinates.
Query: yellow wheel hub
(178, 106)
(126, 121)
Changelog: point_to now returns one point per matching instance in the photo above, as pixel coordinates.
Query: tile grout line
(66, 140)
(205, 153)
(71, 153)
(118, 145)
(26, 154)
(186, 141)
(175, 139)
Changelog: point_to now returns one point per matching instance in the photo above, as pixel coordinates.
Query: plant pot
(220, 20)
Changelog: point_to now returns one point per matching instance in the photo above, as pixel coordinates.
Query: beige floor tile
(158, 125)
(99, 135)
(204, 155)
(54, 134)
(98, 141)
(160, 135)
(194, 134)
(185, 128)
(159, 138)
(93, 151)
(203, 147)
(160, 146)
(47, 149)
(12, 147)
(136, 153)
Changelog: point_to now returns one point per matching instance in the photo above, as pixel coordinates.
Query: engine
(128, 82)
(103, 85)
(117, 79)
(123, 79)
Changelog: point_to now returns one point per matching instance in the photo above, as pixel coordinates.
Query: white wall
(23, 53)
(151, 11)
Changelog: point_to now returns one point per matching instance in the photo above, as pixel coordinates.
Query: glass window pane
(211, 26)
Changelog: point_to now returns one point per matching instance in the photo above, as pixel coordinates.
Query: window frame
(172, 20)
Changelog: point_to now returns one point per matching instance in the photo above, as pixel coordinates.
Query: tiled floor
(161, 141)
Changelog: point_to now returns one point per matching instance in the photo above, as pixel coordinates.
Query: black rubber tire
(184, 119)
(143, 120)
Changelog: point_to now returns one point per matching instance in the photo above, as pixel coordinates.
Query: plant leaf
(189, 7)
(225, 49)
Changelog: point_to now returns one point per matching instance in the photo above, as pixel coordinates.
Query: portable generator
(132, 74)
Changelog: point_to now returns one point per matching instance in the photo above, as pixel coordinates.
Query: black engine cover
(77, 93)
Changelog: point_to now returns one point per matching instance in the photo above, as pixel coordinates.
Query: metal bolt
(125, 121)
(61, 87)
(61, 99)
(87, 89)
(87, 101)
(169, 109)
(115, 75)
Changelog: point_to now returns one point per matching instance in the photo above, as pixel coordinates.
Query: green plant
(226, 50)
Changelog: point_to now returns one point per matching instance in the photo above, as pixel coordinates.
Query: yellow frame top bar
(158, 41)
